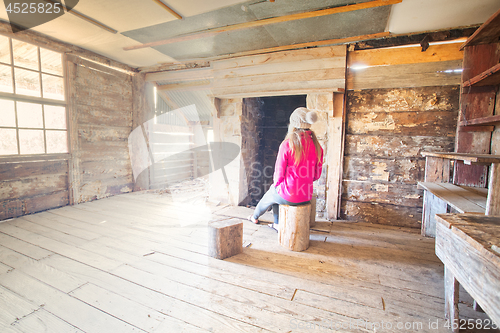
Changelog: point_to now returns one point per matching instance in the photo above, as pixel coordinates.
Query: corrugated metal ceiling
(360, 22)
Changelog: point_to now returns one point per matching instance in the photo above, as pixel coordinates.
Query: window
(32, 100)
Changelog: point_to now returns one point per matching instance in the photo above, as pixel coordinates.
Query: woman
(298, 165)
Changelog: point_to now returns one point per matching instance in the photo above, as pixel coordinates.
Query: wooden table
(435, 167)
(437, 170)
(469, 247)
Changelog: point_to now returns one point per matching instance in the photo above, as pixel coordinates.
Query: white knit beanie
(303, 118)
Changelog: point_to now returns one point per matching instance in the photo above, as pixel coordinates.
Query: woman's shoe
(253, 219)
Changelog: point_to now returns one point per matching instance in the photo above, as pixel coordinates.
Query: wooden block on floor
(294, 224)
(225, 238)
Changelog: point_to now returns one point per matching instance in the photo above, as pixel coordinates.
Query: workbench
(469, 247)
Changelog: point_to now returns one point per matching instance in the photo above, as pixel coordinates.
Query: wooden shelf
(466, 158)
(486, 33)
(486, 121)
(489, 77)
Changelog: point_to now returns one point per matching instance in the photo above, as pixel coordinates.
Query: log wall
(404, 102)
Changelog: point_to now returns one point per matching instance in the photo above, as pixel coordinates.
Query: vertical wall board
(143, 110)
(73, 142)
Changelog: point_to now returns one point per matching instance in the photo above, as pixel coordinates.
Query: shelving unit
(481, 77)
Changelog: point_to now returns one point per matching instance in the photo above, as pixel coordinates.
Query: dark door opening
(264, 126)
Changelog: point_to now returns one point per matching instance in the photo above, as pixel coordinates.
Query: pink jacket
(293, 182)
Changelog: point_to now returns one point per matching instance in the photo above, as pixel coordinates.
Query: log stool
(294, 222)
(225, 238)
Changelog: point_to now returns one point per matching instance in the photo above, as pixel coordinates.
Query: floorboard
(138, 263)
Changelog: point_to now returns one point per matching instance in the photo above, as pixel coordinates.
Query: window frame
(39, 100)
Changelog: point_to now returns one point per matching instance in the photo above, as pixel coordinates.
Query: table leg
(451, 289)
(493, 201)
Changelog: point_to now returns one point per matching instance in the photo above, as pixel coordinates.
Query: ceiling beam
(202, 70)
(263, 22)
(168, 9)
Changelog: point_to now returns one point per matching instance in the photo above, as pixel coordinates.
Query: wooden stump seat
(225, 238)
(294, 224)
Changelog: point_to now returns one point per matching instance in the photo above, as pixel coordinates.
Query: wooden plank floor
(138, 263)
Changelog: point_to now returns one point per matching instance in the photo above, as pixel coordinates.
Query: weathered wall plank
(400, 67)
(29, 187)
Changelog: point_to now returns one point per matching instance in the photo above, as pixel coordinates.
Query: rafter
(168, 9)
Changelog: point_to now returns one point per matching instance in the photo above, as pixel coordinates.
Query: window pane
(57, 142)
(29, 115)
(4, 50)
(8, 141)
(55, 116)
(51, 62)
(6, 79)
(25, 55)
(27, 82)
(7, 114)
(31, 141)
(53, 87)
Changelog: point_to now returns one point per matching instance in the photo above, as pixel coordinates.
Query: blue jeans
(272, 198)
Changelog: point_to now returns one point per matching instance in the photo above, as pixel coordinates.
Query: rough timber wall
(411, 107)
(29, 184)
(101, 121)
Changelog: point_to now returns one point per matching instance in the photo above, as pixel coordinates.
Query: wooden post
(451, 290)
(493, 200)
(294, 221)
(336, 129)
(74, 173)
(225, 238)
